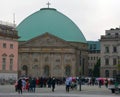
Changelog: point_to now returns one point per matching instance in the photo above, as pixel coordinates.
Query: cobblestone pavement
(87, 91)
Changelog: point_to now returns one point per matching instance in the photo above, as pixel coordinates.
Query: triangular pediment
(46, 40)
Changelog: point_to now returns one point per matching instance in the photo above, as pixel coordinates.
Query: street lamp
(80, 72)
(80, 82)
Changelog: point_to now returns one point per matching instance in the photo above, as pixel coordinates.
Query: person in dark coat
(19, 86)
(100, 83)
(49, 82)
(31, 85)
(106, 83)
(53, 83)
(34, 84)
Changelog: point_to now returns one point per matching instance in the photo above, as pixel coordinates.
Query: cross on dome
(48, 4)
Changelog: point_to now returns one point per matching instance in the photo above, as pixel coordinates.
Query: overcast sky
(93, 17)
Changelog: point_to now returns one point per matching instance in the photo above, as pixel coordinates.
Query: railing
(110, 37)
(7, 23)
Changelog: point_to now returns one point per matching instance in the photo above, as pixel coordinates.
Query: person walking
(23, 84)
(19, 86)
(67, 83)
(106, 83)
(30, 85)
(34, 84)
(27, 85)
(49, 82)
(53, 83)
(100, 83)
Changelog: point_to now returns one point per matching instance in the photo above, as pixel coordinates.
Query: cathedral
(51, 44)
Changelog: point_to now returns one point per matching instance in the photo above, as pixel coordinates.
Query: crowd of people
(30, 84)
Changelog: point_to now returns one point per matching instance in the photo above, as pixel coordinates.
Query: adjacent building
(93, 55)
(110, 52)
(8, 51)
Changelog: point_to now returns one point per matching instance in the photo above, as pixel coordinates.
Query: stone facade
(48, 55)
(110, 52)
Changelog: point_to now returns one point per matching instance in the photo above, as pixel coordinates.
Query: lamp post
(80, 73)
(80, 82)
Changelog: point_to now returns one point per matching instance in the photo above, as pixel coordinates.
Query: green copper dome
(51, 21)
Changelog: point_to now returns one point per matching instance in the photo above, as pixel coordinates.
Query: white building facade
(110, 52)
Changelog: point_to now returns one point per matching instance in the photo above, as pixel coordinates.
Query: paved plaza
(87, 91)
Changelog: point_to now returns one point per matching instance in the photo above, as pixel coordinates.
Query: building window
(114, 61)
(11, 64)
(3, 63)
(116, 34)
(106, 61)
(4, 45)
(114, 49)
(11, 46)
(106, 73)
(106, 49)
(91, 58)
(90, 46)
(88, 58)
(108, 34)
(94, 46)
